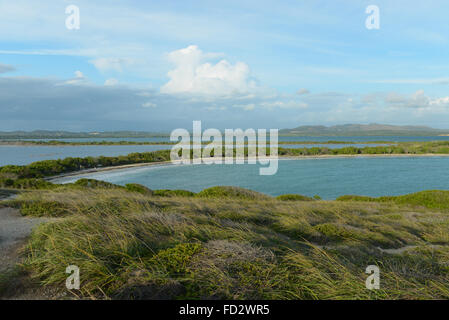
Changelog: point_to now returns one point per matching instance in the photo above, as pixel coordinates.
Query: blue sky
(158, 65)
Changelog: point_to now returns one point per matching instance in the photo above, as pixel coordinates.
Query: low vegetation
(154, 143)
(432, 199)
(230, 243)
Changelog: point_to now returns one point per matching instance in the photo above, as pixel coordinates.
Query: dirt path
(14, 229)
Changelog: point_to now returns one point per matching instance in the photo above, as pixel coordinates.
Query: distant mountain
(373, 129)
(338, 130)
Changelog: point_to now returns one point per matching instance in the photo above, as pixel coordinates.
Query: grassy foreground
(231, 243)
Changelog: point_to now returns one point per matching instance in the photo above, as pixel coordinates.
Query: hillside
(337, 130)
(363, 130)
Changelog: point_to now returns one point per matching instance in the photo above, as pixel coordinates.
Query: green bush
(92, 183)
(42, 208)
(333, 232)
(31, 183)
(355, 198)
(432, 199)
(231, 192)
(173, 193)
(135, 187)
(294, 197)
(175, 260)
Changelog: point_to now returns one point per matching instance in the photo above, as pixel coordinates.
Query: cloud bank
(194, 75)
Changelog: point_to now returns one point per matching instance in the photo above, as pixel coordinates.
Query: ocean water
(21, 155)
(328, 178)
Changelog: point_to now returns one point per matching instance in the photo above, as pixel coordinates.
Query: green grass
(294, 197)
(232, 243)
(173, 193)
(432, 199)
(231, 192)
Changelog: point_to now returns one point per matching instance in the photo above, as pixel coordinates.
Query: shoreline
(167, 163)
(128, 143)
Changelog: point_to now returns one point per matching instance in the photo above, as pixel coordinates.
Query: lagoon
(22, 155)
(328, 178)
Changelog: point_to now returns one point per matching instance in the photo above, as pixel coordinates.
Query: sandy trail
(14, 229)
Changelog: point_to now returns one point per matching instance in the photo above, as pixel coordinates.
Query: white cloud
(78, 79)
(215, 108)
(79, 74)
(290, 104)
(111, 82)
(110, 64)
(440, 102)
(417, 100)
(149, 105)
(195, 76)
(246, 107)
(302, 91)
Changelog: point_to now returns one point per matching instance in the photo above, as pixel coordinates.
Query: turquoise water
(328, 178)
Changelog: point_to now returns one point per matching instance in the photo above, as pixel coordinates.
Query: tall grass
(238, 246)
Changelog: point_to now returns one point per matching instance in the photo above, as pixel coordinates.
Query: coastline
(131, 143)
(166, 163)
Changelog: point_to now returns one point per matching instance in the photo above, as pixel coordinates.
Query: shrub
(25, 183)
(293, 197)
(42, 208)
(135, 187)
(173, 193)
(355, 198)
(175, 260)
(433, 199)
(92, 183)
(333, 232)
(231, 192)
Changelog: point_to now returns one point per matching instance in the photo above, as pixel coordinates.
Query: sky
(159, 65)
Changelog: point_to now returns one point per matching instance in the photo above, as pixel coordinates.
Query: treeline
(157, 143)
(82, 143)
(434, 147)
